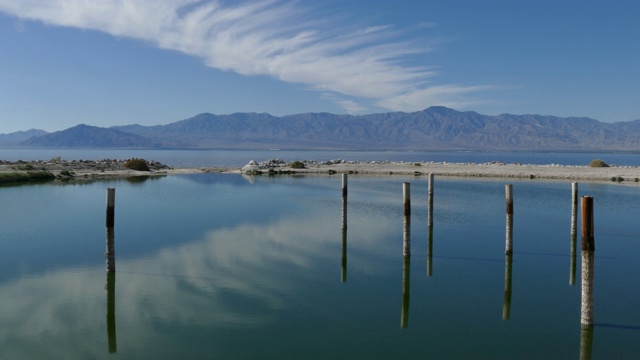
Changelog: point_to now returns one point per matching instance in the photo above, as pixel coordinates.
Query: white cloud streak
(360, 68)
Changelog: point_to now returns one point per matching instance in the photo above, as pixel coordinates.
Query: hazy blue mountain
(14, 138)
(435, 128)
(85, 136)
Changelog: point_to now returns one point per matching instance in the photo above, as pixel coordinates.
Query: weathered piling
(111, 312)
(508, 271)
(509, 233)
(110, 237)
(588, 249)
(406, 196)
(574, 232)
(430, 200)
(111, 204)
(406, 237)
(406, 289)
(345, 180)
(343, 274)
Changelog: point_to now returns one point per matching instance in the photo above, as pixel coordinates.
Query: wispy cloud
(359, 67)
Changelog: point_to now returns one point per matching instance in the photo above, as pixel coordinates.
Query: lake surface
(238, 158)
(223, 266)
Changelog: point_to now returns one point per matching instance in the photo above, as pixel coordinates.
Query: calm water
(238, 158)
(232, 267)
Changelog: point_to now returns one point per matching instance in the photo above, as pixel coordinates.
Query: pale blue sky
(116, 62)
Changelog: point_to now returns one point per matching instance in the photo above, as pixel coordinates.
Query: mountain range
(435, 128)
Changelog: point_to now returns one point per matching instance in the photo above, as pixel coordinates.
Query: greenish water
(224, 266)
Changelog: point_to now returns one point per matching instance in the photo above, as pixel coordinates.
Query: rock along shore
(65, 169)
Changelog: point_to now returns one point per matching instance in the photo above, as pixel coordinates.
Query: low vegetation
(137, 164)
(22, 177)
(598, 163)
(297, 165)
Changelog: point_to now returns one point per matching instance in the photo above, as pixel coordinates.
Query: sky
(151, 62)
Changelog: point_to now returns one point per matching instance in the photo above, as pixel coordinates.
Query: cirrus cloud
(361, 68)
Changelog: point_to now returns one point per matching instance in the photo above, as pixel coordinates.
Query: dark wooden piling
(406, 236)
(574, 208)
(345, 180)
(508, 271)
(111, 204)
(111, 312)
(430, 200)
(509, 225)
(110, 237)
(406, 196)
(588, 250)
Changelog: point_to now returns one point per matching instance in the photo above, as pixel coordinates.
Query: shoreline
(100, 169)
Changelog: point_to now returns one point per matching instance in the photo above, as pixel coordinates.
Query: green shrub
(598, 163)
(297, 165)
(137, 164)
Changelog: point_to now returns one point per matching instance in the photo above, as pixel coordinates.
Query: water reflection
(111, 312)
(406, 272)
(508, 270)
(430, 252)
(586, 342)
(406, 289)
(343, 273)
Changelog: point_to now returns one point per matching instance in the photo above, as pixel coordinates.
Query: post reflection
(508, 270)
(572, 269)
(111, 312)
(406, 272)
(430, 252)
(343, 273)
(586, 342)
(406, 288)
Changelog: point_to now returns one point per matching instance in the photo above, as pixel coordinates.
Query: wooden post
(406, 238)
(574, 227)
(509, 235)
(111, 204)
(344, 240)
(506, 306)
(430, 200)
(574, 207)
(111, 312)
(406, 195)
(588, 249)
(110, 243)
(345, 181)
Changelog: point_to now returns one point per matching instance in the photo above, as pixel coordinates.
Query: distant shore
(95, 169)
